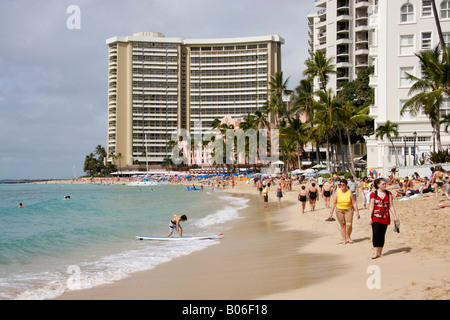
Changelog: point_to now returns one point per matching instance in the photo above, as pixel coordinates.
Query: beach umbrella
(324, 172)
(310, 171)
(319, 166)
(278, 162)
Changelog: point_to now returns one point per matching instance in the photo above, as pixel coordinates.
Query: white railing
(423, 170)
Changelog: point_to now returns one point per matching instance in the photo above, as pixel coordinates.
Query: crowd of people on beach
(377, 194)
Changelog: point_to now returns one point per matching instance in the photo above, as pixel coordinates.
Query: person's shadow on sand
(394, 251)
(361, 239)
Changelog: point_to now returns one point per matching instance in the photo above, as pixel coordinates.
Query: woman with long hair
(380, 208)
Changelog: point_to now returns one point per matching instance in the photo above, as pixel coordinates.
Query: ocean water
(54, 245)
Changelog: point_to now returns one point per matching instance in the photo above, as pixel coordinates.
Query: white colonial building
(398, 30)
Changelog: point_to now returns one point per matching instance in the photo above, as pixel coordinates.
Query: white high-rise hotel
(393, 30)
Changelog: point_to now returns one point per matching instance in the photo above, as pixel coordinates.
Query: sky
(54, 66)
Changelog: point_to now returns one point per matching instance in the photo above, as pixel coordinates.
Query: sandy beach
(279, 253)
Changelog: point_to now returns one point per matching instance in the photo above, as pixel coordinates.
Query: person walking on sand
(302, 195)
(381, 205)
(326, 194)
(279, 193)
(175, 225)
(259, 185)
(352, 186)
(313, 195)
(438, 180)
(265, 193)
(344, 202)
(366, 190)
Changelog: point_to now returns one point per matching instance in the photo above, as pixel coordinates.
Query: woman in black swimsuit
(313, 196)
(302, 198)
(326, 194)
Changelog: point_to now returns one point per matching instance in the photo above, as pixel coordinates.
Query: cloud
(53, 81)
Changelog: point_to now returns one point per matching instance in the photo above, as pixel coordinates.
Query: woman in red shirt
(381, 205)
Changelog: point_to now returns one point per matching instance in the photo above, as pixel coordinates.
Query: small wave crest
(228, 213)
(49, 285)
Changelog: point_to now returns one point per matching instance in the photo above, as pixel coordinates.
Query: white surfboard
(218, 236)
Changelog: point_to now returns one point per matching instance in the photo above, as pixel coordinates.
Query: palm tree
(321, 67)
(446, 121)
(303, 98)
(388, 130)
(325, 117)
(249, 122)
(431, 89)
(90, 164)
(353, 118)
(261, 119)
(277, 87)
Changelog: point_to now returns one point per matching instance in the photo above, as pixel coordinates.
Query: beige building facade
(157, 85)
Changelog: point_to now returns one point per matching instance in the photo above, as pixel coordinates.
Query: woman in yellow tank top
(345, 203)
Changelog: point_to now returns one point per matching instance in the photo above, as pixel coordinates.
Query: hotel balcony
(343, 17)
(361, 28)
(343, 4)
(359, 52)
(342, 53)
(321, 3)
(343, 41)
(321, 24)
(343, 65)
(362, 4)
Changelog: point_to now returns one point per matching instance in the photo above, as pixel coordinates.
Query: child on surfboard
(175, 225)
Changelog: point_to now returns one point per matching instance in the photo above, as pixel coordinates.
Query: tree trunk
(328, 154)
(352, 163)
(317, 152)
(438, 25)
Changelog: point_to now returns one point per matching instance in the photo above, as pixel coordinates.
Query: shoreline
(280, 254)
(240, 271)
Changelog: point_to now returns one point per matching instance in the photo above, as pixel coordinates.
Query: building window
(406, 115)
(445, 9)
(446, 36)
(406, 45)
(426, 9)
(426, 40)
(395, 151)
(404, 81)
(445, 108)
(407, 13)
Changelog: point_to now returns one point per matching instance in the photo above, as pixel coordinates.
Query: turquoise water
(55, 245)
